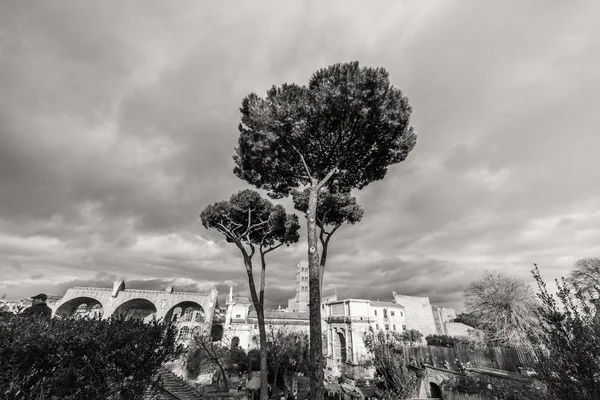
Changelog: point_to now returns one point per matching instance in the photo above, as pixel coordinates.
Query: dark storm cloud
(117, 126)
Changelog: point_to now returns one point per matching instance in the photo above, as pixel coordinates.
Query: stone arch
(340, 346)
(189, 311)
(235, 342)
(80, 307)
(435, 391)
(136, 308)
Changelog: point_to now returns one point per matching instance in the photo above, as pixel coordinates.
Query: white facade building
(346, 323)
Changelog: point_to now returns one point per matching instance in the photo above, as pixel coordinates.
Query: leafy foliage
(411, 336)
(239, 359)
(206, 354)
(334, 209)
(586, 276)
(441, 340)
(81, 358)
(387, 357)
(348, 118)
(467, 319)
(193, 362)
(568, 341)
(503, 307)
(287, 352)
(252, 220)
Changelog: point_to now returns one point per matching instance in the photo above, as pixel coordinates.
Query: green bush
(441, 340)
(76, 359)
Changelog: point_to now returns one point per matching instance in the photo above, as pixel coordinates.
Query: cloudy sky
(118, 122)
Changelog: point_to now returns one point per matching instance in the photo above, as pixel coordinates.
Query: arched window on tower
(184, 333)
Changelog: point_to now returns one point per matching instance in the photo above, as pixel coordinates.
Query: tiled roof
(174, 388)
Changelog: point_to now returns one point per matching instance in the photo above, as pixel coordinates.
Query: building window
(394, 327)
(255, 326)
(403, 327)
(377, 326)
(401, 314)
(392, 313)
(384, 313)
(375, 311)
(238, 316)
(387, 327)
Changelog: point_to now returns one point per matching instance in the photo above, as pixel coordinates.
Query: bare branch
(303, 161)
(271, 248)
(249, 219)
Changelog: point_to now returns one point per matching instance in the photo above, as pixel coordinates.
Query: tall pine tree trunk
(323, 261)
(264, 372)
(260, 314)
(317, 389)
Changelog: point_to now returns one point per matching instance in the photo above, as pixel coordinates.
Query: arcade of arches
(192, 312)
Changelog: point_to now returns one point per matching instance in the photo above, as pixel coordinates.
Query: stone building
(241, 322)
(346, 323)
(192, 311)
(441, 317)
(300, 301)
(236, 330)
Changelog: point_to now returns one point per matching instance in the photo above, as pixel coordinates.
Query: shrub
(386, 352)
(568, 341)
(441, 340)
(75, 359)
